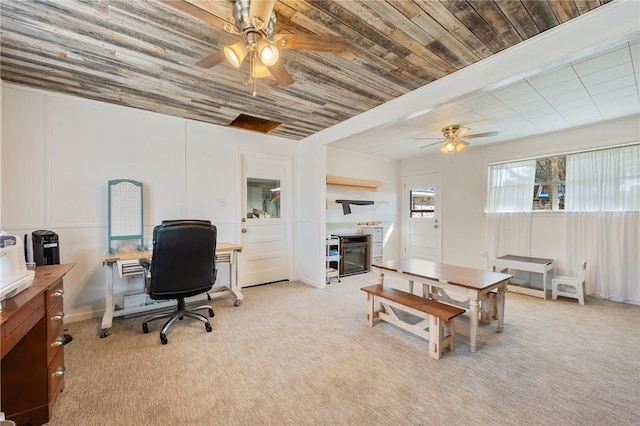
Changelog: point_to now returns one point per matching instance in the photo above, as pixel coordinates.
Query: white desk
(437, 278)
(225, 253)
(528, 264)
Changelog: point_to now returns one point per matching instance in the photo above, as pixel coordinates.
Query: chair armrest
(146, 273)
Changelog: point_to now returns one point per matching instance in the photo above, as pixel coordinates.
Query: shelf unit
(332, 258)
(377, 237)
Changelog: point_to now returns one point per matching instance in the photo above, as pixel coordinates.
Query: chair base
(560, 289)
(180, 312)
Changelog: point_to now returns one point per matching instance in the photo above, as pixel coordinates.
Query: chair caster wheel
(145, 328)
(163, 339)
(237, 302)
(211, 313)
(208, 327)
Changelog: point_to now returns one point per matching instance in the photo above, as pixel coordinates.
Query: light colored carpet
(295, 355)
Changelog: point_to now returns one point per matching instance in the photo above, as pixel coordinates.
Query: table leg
(500, 308)
(411, 286)
(544, 284)
(107, 317)
(233, 277)
(474, 305)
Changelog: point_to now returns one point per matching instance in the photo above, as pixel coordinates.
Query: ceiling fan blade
(282, 76)
(481, 135)
(211, 60)
(260, 12)
(461, 131)
(431, 144)
(323, 43)
(195, 11)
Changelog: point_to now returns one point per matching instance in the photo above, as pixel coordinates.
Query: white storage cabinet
(377, 237)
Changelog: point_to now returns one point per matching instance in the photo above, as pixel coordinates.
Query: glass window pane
(263, 198)
(422, 203)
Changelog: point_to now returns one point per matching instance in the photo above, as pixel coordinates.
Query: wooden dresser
(31, 343)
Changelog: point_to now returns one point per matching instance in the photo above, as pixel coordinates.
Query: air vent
(254, 123)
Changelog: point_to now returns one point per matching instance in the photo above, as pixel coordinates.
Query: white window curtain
(602, 212)
(509, 208)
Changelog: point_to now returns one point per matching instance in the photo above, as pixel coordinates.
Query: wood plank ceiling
(142, 54)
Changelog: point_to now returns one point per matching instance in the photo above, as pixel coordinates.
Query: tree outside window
(549, 188)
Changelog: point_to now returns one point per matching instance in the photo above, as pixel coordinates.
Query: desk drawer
(56, 377)
(55, 341)
(54, 293)
(56, 317)
(18, 325)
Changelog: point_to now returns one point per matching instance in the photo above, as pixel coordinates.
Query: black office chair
(182, 265)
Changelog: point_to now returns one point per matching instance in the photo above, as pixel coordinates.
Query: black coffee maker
(46, 247)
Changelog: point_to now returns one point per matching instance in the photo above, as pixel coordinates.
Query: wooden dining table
(438, 279)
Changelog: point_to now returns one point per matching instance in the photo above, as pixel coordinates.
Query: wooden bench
(437, 325)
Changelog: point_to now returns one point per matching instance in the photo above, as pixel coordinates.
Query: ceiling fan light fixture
(236, 53)
(449, 146)
(459, 147)
(259, 70)
(268, 53)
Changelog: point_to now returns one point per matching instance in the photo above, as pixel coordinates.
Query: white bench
(437, 325)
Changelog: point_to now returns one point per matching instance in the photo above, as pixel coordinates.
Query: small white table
(528, 264)
(225, 253)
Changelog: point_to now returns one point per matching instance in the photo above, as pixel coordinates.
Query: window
(598, 180)
(422, 203)
(549, 188)
(263, 198)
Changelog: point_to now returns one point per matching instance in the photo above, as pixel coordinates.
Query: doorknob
(244, 230)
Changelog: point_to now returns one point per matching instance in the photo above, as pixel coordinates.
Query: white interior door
(265, 225)
(422, 214)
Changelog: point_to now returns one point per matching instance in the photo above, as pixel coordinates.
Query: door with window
(422, 238)
(265, 222)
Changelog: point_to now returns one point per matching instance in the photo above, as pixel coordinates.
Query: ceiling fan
(454, 138)
(255, 22)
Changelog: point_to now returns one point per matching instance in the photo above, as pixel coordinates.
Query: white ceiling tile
(574, 104)
(552, 78)
(488, 111)
(546, 111)
(612, 73)
(622, 111)
(581, 115)
(632, 99)
(531, 106)
(515, 90)
(523, 99)
(613, 94)
(560, 96)
(479, 101)
(635, 55)
(604, 61)
(567, 86)
(628, 82)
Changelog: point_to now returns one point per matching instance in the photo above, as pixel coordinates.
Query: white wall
(309, 218)
(386, 207)
(464, 188)
(59, 152)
